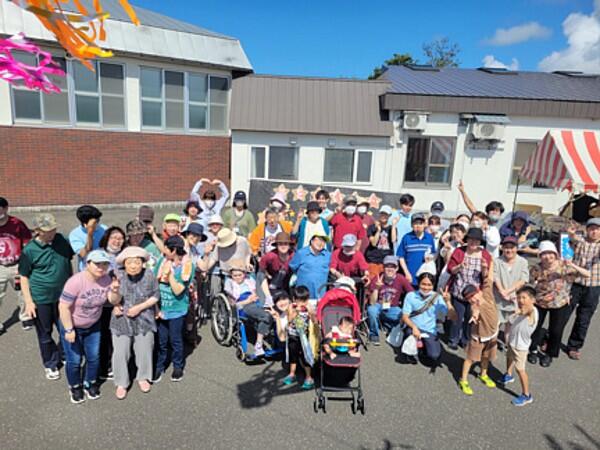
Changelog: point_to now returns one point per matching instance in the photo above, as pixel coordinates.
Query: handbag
(396, 336)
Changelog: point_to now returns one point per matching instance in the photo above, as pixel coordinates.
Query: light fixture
(331, 142)
(293, 140)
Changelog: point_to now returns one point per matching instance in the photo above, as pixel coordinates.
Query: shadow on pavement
(389, 445)
(592, 442)
(13, 319)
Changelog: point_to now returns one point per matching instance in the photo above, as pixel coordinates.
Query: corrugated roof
(478, 83)
(308, 105)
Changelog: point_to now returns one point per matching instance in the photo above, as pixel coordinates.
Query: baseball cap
(437, 207)
(349, 199)
(239, 195)
(386, 209)
(349, 240)
(390, 260)
(475, 233)
(44, 222)
(98, 256)
(469, 290)
(172, 217)
(312, 206)
(593, 221)
(417, 217)
(509, 240)
(146, 213)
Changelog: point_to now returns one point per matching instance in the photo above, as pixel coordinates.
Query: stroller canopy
(339, 297)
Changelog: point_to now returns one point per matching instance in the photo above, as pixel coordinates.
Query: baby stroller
(342, 374)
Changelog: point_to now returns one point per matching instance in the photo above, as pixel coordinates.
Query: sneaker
(92, 391)
(309, 383)
(452, 346)
(259, 351)
(289, 380)
(464, 386)
(506, 378)
(121, 393)
(158, 377)
(2, 329)
(533, 358)
(522, 400)
(574, 355)
(77, 395)
(545, 360)
(177, 375)
(27, 325)
(487, 381)
(374, 340)
(52, 374)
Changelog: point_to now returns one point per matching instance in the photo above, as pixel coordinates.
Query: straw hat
(132, 252)
(226, 238)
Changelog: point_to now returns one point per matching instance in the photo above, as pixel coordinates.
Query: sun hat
(132, 252)
(279, 197)
(175, 242)
(98, 256)
(226, 238)
(172, 217)
(320, 236)
(386, 209)
(522, 215)
(238, 264)
(390, 260)
(474, 233)
(313, 206)
(136, 226)
(45, 222)
(349, 240)
(345, 282)
(547, 246)
(215, 219)
(282, 238)
(195, 228)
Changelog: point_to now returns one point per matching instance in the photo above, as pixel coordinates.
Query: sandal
(144, 386)
(121, 393)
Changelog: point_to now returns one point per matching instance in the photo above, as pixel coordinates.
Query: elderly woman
(133, 320)
(552, 278)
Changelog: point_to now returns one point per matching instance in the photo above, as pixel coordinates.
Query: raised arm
(467, 201)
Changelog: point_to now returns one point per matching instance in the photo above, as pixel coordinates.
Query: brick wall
(48, 166)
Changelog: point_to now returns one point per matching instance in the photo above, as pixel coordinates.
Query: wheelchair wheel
(240, 355)
(222, 320)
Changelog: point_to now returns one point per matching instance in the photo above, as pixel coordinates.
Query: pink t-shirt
(86, 297)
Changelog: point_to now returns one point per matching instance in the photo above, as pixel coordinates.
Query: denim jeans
(45, 321)
(87, 344)
(170, 332)
(389, 318)
(433, 348)
(460, 328)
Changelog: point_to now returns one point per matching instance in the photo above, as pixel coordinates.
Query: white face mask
(434, 228)
(494, 218)
(465, 225)
(424, 294)
(239, 203)
(209, 203)
(362, 209)
(350, 209)
(477, 224)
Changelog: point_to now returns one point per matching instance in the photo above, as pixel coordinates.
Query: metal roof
(308, 105)
(157, 36)
(506, 84)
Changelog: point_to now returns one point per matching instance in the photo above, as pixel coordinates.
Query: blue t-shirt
(426, 321)
(413, 250)
(78, 238)
(311, 270)
(403, 226)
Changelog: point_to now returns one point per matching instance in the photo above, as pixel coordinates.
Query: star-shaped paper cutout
(299, 194)
(337, 197)
(281, 189)
(313, 194)
(374, 201)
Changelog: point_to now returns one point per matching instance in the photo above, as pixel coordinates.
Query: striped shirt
(586, 254)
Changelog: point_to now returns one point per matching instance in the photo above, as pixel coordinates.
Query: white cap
(349, 240)
(386, 209)
(346, 283)
(547, 246)
(215, 218)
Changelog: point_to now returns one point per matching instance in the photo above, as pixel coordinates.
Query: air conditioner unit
(487, 131)
(414, 121)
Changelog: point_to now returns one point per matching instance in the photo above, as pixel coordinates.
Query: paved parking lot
(222, 403)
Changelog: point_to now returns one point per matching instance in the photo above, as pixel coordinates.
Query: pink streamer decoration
(34, 77)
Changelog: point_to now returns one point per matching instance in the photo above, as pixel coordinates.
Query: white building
(417, 130)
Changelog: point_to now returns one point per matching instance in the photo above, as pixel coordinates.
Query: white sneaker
(258, 351)
(52, 374)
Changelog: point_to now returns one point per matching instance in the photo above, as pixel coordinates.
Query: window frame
(267, 162)
(356, 158)
(426, 184)
(524, 187)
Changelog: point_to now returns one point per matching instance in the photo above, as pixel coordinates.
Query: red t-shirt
(393, 291)
(271, 263)
(350, 265)
(13, 237)
(343, 226)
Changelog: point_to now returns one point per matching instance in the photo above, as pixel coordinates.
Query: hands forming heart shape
(214, 182)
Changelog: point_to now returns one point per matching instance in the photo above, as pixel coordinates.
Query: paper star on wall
(374, 201)
(281, 189)
(299, 194)
(313, 194)
(337, 197)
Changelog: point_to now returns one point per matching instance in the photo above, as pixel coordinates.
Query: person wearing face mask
(491, 235)
(238, 217)
(14, 235)
(382, 236)
(191, 213)
(493, 209)
(347, 222)
(434, 226)
(275, 268)
(262, 238)
(209, 204)
(437, 209)
(348, 261)
(367, 220)
(452, 239)
(309, 224)
(387, 291)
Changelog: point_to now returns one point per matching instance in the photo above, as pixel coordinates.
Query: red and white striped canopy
(566, 159)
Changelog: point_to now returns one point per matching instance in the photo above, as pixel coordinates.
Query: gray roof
(308, 105)
(479, 83)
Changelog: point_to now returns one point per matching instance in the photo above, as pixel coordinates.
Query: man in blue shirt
(401, 218)
(413, 248)
(87, 236)
(311, 266)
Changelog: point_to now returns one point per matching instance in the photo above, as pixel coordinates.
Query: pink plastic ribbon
(34, 77)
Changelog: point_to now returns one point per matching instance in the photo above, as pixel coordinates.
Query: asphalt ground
(222, 403)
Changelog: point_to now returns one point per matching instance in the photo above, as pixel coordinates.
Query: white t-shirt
(310, 229)
(521, 331)
(492, 240)
(267, 244)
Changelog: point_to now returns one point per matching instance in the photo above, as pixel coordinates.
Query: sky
(337, 38)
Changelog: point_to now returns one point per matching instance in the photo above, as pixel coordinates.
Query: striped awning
(566, 159)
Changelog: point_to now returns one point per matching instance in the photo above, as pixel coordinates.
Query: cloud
(519, 33)
(583, 37)
(491, 62)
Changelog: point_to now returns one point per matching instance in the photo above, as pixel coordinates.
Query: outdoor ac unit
(488, 131)
(414, 121)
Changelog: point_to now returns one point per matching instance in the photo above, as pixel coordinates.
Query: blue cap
(349, 240)
(98, 256)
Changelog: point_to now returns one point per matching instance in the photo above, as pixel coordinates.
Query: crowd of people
(484, 281)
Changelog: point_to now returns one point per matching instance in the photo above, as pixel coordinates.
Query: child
(482, 344)
(521, 326)
(340, 340)
(300, 313)
(242, 290)
(279, 311)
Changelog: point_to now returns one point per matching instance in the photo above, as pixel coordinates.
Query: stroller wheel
(361, 405)
(240, 355)
(324, 404)
(353, 406)
(316, 405)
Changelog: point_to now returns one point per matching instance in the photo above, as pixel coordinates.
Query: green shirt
(48, 267)
(241, 225)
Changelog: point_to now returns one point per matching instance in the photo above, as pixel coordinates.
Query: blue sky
(337, 38)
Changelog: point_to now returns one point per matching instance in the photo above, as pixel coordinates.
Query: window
(258, 162)
(184, 101)
(283, 163)
(429, 161)
(523, 150)
(98, 98)
(347, 166)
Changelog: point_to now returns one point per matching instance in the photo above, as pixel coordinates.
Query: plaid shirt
(586, 254)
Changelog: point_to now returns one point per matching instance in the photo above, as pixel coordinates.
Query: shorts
(518, 356)
(295, 353)
(477, 350)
